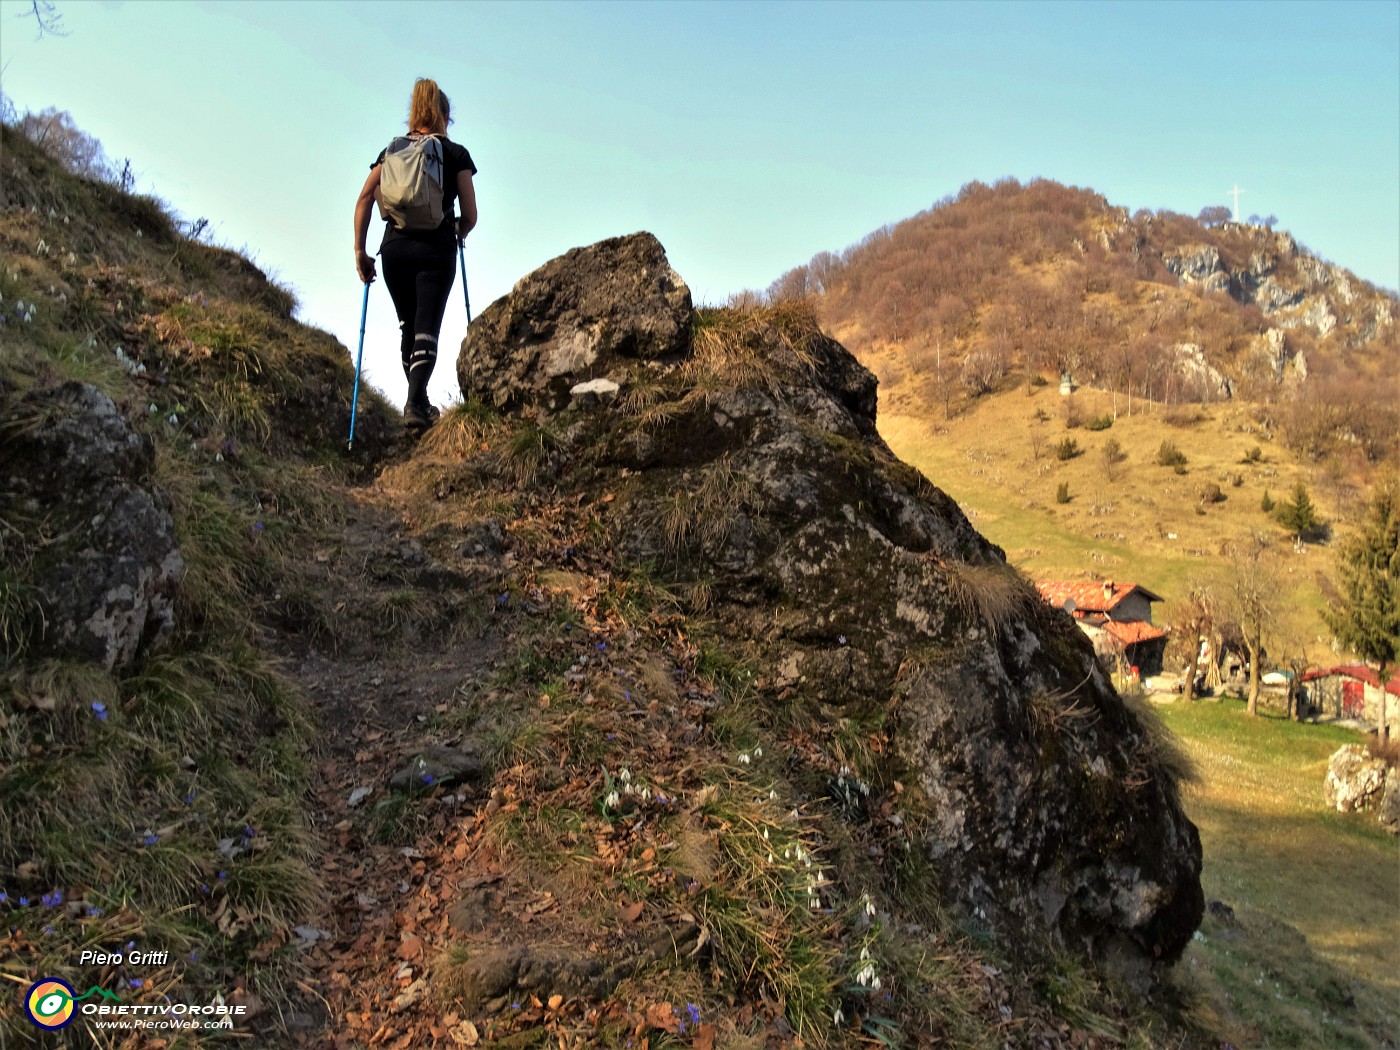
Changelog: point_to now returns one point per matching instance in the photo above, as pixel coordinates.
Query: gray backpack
(410, 182)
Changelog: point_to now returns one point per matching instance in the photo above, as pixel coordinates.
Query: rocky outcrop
(1203, 380)
(746, 460)
(1355, 780)
(108, 567)
(582, 316)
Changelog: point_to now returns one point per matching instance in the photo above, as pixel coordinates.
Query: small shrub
(1254, 455)
(1062, 493)
(1267, 503)
(1102, 422)
(1041, 416)
(1236, 480)
(1113, 456)
(1067, 449)
(1168, 455)
(1039, 380)
(1212, 494)
(1073, 417)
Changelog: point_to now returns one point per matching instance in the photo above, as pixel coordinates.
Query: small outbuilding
(1117, 617)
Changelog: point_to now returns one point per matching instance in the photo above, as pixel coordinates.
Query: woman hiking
(419, 260)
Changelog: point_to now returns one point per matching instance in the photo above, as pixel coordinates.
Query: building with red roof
(1117, 617)
(1354, 691)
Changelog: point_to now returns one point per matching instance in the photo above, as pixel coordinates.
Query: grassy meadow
(1289, 866)
(1134, 520)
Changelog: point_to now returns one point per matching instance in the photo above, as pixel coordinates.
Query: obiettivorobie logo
(50, 1003)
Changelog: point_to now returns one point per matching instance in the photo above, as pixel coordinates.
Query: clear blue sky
(747, 137)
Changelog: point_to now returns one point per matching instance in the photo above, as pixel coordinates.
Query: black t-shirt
(455, 159)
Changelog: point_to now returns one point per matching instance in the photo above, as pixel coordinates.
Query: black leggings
(419, 277)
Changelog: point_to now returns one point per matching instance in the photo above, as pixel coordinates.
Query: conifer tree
(1299, 516)
(1366, 619)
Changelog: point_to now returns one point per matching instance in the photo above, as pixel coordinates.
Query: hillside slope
(1048, 279)
(678, 712)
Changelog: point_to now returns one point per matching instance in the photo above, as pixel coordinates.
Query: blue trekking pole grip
(359, 360)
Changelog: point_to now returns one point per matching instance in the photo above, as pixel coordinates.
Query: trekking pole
(462, 258)
(359, 360)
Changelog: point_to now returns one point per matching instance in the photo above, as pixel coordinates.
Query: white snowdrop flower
(743, 759)
(612, 800)
(864, 788)
(770, 859)
(646, 794)
(65, 220)
(138, 233)
(807, 860)
(838, 1018)
(875, 983)
(844, 772)
(758, 752)
(864, 954)
(218, 457)
(786, 854)
(43, 248)
(19, 305)
(63, 297)
(52, 214)
(174, 420)
(765, 834)
(772, 793)
(625, 775)
(71, 259)
(152, 408)
(792, 815)
(869, 906)
(814, 903)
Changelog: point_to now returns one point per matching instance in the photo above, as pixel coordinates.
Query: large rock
(1355, 780)
(108, 572)
(595, 312)
(750, 465)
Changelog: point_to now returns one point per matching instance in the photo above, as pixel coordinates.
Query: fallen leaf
(631, 912)
(410, 948)
(704, 1037)
(556, 1001)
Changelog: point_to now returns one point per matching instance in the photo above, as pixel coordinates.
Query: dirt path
(389, 860)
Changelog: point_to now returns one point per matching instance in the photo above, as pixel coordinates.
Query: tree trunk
(1190, 691)
(1253, 645)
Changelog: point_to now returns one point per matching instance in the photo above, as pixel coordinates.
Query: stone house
(1353, 691)
(1117, 617)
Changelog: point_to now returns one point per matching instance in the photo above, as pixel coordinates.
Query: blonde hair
(429, 108)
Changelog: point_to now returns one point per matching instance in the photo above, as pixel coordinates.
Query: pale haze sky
(746, 136)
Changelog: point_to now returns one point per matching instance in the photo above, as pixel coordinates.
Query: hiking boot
(419, 416)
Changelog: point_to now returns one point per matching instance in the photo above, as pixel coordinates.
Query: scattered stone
(439, 766)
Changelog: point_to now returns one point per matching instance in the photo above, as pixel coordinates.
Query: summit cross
(1237, 191)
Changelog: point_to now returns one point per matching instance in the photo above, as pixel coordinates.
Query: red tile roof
(1130, 632)
(1358, 671)
(1090, 596)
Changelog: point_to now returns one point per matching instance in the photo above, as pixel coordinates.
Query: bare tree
(46, 18)
(1251, 596)
(1193, 619)
(53, 131)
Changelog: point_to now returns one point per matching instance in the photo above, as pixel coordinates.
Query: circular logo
(50, 1003)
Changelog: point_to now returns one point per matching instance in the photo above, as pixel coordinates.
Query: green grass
(1275, 851)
